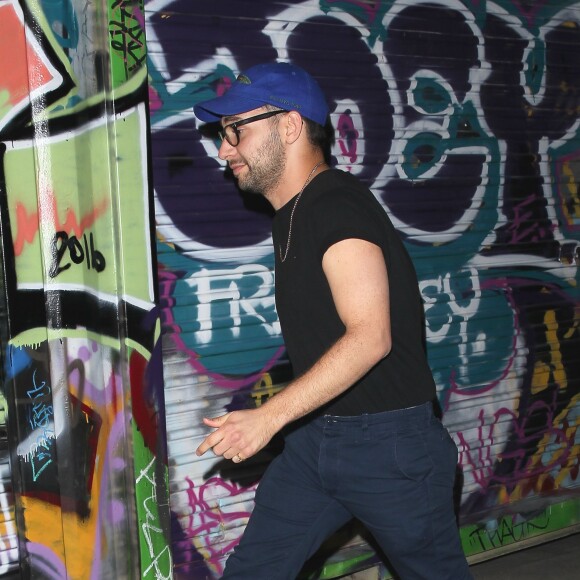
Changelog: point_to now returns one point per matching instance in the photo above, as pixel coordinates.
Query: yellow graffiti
(555, 370)
(264, 390)
(571, 209)
(574, 326)
(558, 453)
(540, 378)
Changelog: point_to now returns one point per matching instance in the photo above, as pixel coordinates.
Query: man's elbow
(382, 345)
(374, 343)
(386, 344)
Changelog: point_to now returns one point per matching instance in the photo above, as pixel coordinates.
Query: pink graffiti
(526, 468)
(371, 9)
(348, 136)
(211, 518)
(529, 10)
(521, 219)
(155, 102)
(223, 85)
(479, 457)
(139, 16)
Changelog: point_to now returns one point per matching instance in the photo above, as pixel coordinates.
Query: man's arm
(357, 276)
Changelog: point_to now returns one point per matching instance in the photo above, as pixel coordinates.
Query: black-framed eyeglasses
(230, 132)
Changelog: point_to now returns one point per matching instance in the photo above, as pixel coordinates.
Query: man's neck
(302, 174)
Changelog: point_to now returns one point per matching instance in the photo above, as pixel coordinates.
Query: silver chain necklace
(283, 257)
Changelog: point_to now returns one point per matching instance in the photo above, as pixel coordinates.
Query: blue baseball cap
(279, 84)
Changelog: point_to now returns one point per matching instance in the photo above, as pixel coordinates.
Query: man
(361, 439)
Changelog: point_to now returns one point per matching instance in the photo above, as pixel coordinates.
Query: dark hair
(321, 137)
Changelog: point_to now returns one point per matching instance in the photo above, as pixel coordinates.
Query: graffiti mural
(463, 118)
(82, 376)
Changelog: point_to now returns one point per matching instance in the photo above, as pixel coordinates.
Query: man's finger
(202, 448)
(216, 421)
(214, 438)
(208, 443)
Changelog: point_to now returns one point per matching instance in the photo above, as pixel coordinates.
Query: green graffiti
(127, 39)
(66, 240)
(156, 559)
(509, 530)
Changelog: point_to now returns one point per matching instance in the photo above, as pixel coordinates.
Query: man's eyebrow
(230, 119)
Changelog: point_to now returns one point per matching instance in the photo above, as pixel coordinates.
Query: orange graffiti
(27, 72)
(27, 223)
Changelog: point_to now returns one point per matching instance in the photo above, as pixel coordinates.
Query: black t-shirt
(335, 206)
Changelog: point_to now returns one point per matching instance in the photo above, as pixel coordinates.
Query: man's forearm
(347, 361)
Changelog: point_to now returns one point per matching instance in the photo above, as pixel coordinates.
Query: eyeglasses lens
(230, 135)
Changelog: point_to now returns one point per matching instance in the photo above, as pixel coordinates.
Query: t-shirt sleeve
(343, 214)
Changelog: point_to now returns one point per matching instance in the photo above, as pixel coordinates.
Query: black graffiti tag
(77, 251)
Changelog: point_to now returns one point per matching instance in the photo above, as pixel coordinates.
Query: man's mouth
(236, 167)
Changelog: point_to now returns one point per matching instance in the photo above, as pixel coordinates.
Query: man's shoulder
(338, 190)
(334, 184)
(343, 178)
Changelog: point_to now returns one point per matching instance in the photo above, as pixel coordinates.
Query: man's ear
(293, 126)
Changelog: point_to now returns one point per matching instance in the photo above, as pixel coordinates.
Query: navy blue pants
(393, 471)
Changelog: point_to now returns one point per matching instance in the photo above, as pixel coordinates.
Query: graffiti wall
(82, 371)
(463, 118)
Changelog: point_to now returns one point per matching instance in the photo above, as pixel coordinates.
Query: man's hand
(238, 435)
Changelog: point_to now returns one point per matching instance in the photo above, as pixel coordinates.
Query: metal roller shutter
(463, 117)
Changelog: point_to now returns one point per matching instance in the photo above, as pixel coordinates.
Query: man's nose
(225, 150)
